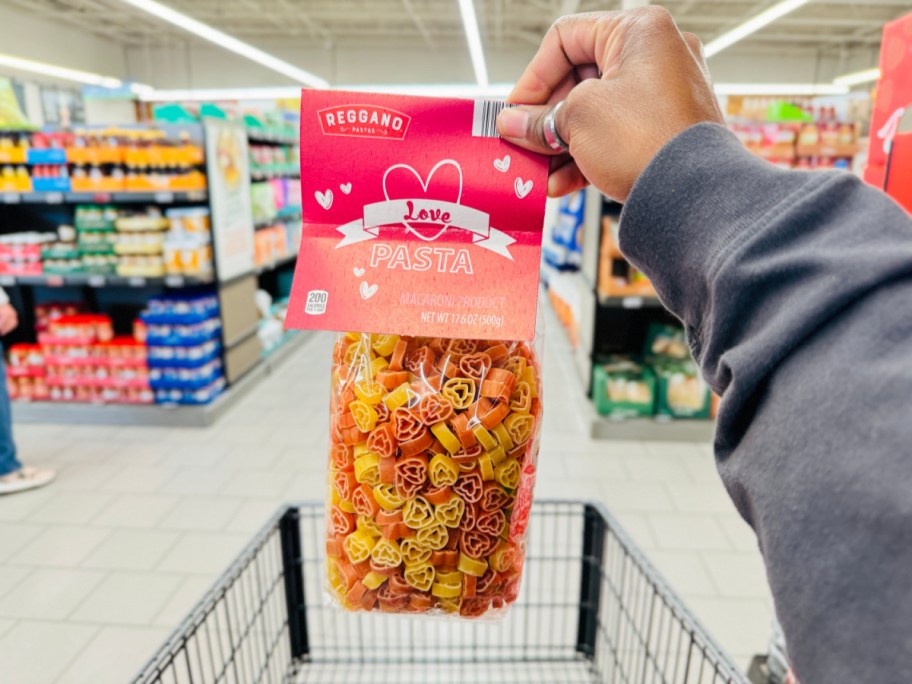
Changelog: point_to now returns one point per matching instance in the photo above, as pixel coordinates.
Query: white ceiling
(822, 25)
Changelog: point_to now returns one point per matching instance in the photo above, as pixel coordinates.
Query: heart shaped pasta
(434, 409)
(494, 497)
(475, 365)
(521, 398)
(460, 392)
(413, 551)
(358, 546)
(417, 513)
(365, 416)
(507, 473)
(341, 457)
(420, 576)
(382, 441)
(450, 512)
(341, 522)
(462, 346)
(469, 486)
(387, 497)
(406, 424)
(434, 536)
(491, 523)
(476, 544)
(442, 471)
(420, 362)
(520, 426)
(364, 502)
(412, 470)
(345, 483)
(469, 517)
(386, 554)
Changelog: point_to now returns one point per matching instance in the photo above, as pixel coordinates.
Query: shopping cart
(592, 610)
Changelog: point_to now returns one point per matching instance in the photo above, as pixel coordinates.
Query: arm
(796, 293)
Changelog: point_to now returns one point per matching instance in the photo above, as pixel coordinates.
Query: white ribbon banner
(393, 212)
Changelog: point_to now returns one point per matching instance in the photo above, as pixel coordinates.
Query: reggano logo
(364, 121)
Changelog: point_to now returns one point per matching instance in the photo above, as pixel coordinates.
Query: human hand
(631, 81)
(9, 319)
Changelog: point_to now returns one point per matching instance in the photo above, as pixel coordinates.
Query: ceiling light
(780, 89)
(857, 77)
(767, 16)
(64, 73)
(468, 90)
(473, 37)
(227, 42)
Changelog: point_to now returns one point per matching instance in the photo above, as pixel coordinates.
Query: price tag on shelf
(101, 197)
(12, 198)
(54, 281)
(174, 281)
(632, 303)
(164, 197)
(96, 281)
(7, 281)
(196, 195)
(136, 281)
(53, 198)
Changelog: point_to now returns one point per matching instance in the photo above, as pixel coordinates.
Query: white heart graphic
(502, 165)
(522, 189)
(324, 198)
(368, 291)
(424, 186)
(346, 188)
(358, 272)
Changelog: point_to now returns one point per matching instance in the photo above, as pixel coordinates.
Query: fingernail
(513, 123)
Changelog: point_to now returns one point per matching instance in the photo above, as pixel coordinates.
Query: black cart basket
(592, 610)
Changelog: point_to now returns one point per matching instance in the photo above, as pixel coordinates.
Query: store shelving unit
(235, 278)
(159, 198)
(608, 324)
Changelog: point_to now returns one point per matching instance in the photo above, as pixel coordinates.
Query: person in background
(14, 477)
(795, 289)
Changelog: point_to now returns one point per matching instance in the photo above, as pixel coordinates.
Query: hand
(9, 319)
(631, 82)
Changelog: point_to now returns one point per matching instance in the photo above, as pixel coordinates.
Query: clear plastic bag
(434, 444)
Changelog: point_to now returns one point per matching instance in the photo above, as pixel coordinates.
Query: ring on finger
(549, 128)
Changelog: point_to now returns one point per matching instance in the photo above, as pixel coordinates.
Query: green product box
(60, 250)
(623, 388)
(682, 392)
(101, 247)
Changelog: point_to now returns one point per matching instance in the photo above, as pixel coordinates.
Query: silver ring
(549, 126)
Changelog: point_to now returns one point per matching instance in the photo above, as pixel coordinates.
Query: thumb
(524, 125)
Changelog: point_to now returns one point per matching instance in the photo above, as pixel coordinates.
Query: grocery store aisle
(96, 569)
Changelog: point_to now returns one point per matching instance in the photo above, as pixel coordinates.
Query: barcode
(484, 120)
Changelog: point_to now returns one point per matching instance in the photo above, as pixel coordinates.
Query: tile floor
(96, 569)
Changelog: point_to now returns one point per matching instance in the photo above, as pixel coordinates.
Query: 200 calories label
(412, 225)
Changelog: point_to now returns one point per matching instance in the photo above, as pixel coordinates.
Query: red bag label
(416, 219)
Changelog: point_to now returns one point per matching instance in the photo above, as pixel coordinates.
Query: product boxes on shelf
(78, 358)
(682, 392)
(183, 335)
(623, 388)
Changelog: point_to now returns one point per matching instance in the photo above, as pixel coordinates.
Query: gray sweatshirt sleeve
(795, 290)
